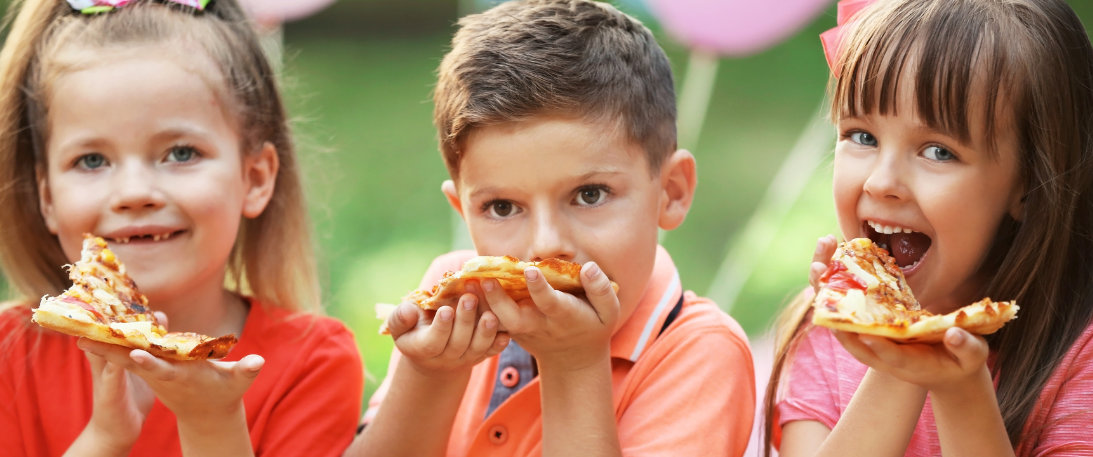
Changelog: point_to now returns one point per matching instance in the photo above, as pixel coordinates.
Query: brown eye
(501, 208)
(591, 195)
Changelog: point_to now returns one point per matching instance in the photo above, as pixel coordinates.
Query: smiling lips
(906, 246)
(145, 237)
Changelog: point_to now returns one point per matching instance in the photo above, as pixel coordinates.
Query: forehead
(563, 145)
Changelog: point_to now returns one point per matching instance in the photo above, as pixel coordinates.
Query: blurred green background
(358, 77)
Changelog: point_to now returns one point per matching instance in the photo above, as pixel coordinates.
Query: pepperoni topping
(84, 305)
(837, 278)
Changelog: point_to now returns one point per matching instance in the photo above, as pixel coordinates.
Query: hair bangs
(951, 56)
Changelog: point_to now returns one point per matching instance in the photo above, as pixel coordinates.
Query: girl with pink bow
(965, 146)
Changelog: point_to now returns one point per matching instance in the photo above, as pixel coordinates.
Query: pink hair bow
(101, 6)
(832, 38)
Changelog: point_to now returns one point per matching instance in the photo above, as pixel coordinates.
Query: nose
(135, 187)
(550, 237)
(887, 178)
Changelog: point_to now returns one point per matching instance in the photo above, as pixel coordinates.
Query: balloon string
(694, 97)
(750, 244)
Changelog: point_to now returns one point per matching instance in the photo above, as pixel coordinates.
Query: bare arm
(969, 422)
(427, 385)
(878, 421)
(578, 414)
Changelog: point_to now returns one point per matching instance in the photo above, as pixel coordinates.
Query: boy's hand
(821, 259)
(452, 341)
(956, 361)
(559, 328)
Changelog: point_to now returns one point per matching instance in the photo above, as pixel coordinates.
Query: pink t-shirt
(823, 378)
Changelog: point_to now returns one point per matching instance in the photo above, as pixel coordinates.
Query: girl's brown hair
(1032, 63)
(273, 256)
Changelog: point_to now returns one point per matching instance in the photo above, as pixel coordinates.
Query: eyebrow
(478, 193)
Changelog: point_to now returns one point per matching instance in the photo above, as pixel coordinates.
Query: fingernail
(956, 338)
(487, 285)
(468, 301)
(445, 314)
(531, 273)
(490, 323)
(472, 287)
(591, 270)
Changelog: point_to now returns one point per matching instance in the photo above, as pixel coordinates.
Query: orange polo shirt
(687, 391)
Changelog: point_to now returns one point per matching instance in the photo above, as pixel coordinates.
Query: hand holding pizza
(447, 340)
(206, 396)
(953, 364)
(560, 328)
(121, 402)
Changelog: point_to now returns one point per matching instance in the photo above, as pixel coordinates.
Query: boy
(557, 125)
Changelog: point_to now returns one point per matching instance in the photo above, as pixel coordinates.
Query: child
(557, 125)
(965, 124)
(158, 126)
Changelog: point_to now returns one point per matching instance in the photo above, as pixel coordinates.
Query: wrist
(964, 388)
(577, 361)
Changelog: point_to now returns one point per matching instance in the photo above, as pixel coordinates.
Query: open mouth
(150, 237)
(906, 246)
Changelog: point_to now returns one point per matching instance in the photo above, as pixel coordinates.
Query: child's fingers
(969, 350)
(484, 335)
(247, 368)
(506, 310)
(403, 319)
(821, 257)
(499, 343)
(541, 292)
(161, 317)
(463, 328)
(600, 293)
(432, 342)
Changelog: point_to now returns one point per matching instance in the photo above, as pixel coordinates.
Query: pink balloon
(278, 11)
(734, 27)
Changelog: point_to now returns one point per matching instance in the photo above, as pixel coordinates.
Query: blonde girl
(966, 146)
(159, 126)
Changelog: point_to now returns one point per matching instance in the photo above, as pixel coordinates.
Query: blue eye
(938, 153)
(91, 161)
(591, 195)
(181, 154)
(863, 138)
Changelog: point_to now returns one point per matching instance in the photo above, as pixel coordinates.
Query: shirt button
(510, 377)
(499, 434)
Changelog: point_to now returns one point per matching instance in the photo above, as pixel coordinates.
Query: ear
(678, 179)
(45, 201)
(1016, 208)
(260, 178)
(448, 187)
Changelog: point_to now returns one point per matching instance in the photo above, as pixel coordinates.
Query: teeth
(124, 240)
(888, 230)
(157, 237)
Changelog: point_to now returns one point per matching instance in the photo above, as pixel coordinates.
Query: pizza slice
(562, 275)
(104, 304)
(864, 291)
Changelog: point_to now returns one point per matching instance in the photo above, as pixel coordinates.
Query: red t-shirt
(305, 401)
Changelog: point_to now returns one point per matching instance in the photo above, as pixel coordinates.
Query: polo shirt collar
(662, 292)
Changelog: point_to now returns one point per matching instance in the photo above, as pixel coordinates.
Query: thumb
(404, 319)
(600, 293)
(161, 318)
(249, 366)
(969, 350)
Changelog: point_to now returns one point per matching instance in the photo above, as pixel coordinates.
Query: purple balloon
(278, 11)
(734, 27)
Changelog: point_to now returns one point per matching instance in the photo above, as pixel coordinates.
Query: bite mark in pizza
(104, 305)
(864, 291)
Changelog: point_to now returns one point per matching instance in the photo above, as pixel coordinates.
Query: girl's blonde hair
(1032, 63)
(273, 258)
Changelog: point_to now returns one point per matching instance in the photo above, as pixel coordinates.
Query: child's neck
(214, 312)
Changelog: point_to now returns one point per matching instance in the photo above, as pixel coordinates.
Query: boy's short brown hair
(571, 57)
